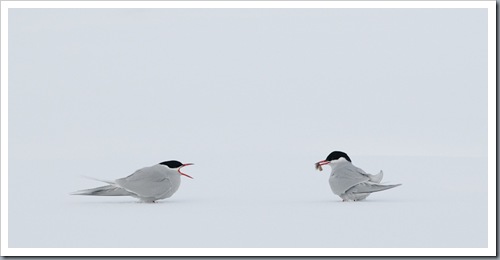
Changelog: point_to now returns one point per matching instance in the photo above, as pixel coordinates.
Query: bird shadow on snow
(333, 201)
(284, 202)
(134, 202)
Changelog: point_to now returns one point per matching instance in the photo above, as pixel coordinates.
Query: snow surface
(442, 203)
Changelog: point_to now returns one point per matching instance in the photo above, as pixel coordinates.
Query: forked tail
(377, 178)
(108, 190)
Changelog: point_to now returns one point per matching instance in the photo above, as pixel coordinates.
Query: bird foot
(146, 201)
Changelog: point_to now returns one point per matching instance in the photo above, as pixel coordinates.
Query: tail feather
(377, 178)
(95, 179)
(369, 188)
(108, 190)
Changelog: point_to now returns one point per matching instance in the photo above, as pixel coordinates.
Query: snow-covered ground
(442, 203)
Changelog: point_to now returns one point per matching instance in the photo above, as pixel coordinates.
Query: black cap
(336, 155)
(172, 164)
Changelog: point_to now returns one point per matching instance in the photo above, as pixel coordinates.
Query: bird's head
(176, 165)
(332, 157)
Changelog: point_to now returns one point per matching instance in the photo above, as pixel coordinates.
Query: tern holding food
(350, 182)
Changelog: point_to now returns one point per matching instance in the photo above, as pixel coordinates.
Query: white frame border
(489, 251)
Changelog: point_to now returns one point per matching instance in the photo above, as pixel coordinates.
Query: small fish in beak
(318, 166)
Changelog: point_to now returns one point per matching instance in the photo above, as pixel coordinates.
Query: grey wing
(345, 178)
(146, 182)
(377, 178)
(370, 187)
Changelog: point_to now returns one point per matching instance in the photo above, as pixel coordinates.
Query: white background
(253, 97)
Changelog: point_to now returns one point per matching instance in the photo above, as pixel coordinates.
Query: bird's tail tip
(75, 193)
(108, 190)
(95, 179)
(80, 192)
(392, 185)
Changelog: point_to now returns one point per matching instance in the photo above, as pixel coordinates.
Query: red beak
(324, 162)
(186, 164)
(321, 163)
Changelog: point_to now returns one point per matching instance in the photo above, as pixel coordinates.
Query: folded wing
(147, 182)
(344, 178)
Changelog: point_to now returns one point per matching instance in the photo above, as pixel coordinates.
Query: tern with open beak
(350, 182)
(148, 184)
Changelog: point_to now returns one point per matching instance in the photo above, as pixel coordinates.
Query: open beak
(186, 164)
(321, 163)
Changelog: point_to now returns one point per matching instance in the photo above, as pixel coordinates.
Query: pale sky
(373, 82)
